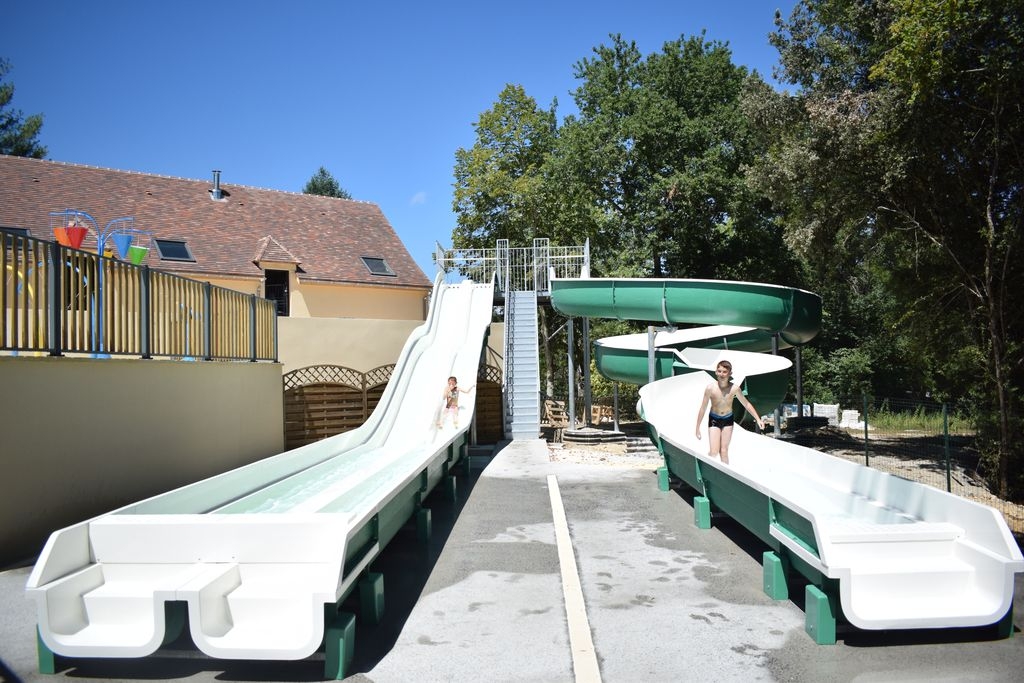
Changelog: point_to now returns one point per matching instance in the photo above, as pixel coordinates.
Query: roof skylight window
(173, 250)
(377, 266)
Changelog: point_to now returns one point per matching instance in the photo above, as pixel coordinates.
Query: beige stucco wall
(323, 300)
(80, 437)
(311, 299)
(495, 353)
(239, 284)
(354, 343)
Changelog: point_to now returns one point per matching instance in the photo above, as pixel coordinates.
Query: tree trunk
(1002, 398)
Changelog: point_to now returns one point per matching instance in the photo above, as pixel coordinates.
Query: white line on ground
(584, 658)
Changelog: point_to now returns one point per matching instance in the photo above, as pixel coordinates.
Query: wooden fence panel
(490, 422)
(317, 411)
(325, 400)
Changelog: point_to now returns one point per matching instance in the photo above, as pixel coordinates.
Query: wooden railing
(60, 300)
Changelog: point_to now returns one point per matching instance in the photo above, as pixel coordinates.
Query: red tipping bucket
(75, 236)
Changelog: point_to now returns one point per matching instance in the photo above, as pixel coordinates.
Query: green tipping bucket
(137, 254)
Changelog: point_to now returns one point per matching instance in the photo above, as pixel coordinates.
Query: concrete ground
(663, 600)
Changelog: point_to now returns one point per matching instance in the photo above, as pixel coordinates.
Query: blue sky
(381, 93)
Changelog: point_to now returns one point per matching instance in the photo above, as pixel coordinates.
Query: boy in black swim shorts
(719, 395)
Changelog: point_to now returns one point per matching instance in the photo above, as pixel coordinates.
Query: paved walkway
(661, 600)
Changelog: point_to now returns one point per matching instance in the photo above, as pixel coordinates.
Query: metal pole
(650, 354)
(778, 409)
(587, 396)
(866, 460)
(615, 406)
(252, 328)
(145, 315)
(54, 300)
(799, 384)
(572, 379)
(273, 321)
(208, 321)
(945, 445)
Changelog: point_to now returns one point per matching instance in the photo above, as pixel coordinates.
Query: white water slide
(258, 552)
(905, 555)
(894, 554)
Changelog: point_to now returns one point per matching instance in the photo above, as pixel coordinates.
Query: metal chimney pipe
(217, 194)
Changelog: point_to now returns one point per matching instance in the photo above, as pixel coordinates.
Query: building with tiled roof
(319, 256)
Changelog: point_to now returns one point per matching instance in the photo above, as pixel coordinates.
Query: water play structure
(876, 550)
(255, 562)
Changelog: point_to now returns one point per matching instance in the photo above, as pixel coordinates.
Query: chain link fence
(918, 440)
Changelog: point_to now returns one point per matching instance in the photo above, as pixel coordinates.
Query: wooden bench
(599, 414)
(555, 415)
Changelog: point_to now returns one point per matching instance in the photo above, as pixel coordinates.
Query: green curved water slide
(741, 317)
(878, 551)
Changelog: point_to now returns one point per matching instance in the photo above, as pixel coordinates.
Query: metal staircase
(522, 372)
(521, 276)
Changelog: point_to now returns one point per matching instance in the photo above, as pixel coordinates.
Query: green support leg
(339, 645)
(663, 479)
(47, 660)
(424, 525)
(371, 598)
(819, 616)
(775, 571)
(702, 512)
(451, 491)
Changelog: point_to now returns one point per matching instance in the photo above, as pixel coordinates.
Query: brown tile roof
(327, 236)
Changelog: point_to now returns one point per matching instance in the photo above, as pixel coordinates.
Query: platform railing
(518, 269)
(58, 300)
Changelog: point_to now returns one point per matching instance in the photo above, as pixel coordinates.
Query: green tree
(324, 184)
(501, 191)
(500, 181)
(661, 144)
(900, 155)
(18, 134)
(651, 170)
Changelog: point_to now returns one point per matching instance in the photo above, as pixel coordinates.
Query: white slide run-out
(906, 555)
(257, 553)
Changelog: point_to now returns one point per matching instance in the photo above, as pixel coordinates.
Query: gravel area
(610, 454)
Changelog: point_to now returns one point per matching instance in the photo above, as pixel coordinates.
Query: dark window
(275, 288)
(377, 266)
(173, 250)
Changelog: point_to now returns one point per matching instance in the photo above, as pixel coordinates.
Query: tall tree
(18, 134)
(501, 186)
(499, 181)
(324, 184)
(661, 143)
(904, 138)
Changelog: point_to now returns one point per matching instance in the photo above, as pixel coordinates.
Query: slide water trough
(256, 561)
(876, 550)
